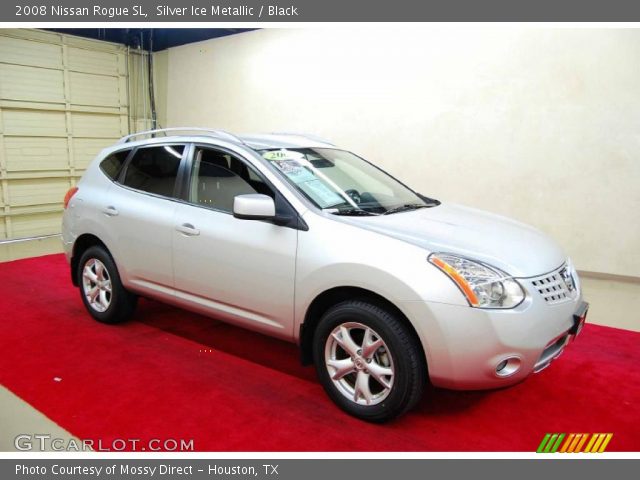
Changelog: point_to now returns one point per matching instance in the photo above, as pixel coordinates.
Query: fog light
(508, 367)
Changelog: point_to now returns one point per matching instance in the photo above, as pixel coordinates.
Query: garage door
(62, 99)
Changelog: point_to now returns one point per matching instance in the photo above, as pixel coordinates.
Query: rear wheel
(368, 361)
(101, 289)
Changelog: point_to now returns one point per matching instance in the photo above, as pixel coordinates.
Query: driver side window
(217, 177)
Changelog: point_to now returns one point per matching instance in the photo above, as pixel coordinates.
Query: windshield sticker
(295, 171)
(278, 155)
(300, 171)
(321, 193)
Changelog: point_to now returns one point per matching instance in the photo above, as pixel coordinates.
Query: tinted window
(217, 177)
(112, 165)
(154, 169)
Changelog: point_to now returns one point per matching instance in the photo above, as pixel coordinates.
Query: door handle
(110, 211)
(188, 230)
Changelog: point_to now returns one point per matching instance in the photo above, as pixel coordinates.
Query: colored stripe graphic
(581, 443)
(596, 446)
(574, 443)
(547, 449)
(606, 442)
(543, 443)
(557, 444)
(594, 437)
(567, 442)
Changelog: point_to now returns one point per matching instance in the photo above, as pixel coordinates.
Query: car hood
(514, 247)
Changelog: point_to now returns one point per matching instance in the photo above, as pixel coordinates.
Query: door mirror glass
(254, 206)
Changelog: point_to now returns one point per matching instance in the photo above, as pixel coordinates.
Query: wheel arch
(325, 300)
(81, 245)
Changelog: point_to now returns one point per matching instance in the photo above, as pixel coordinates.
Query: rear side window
(112, 165)
(154, 169)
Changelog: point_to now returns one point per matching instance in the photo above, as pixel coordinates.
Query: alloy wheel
(359, 363)
(96, 285)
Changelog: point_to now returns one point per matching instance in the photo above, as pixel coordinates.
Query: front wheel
(101, 289)
(368, 361)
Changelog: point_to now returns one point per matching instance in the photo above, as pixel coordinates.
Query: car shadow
(208, 333)
(440, 402)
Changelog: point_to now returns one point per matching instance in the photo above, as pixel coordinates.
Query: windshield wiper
(353, 212)
(405, 207)
(431, 202)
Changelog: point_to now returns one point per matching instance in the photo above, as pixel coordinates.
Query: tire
(375, 380)
(98, 278)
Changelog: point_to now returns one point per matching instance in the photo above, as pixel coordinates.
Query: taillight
(72, 191)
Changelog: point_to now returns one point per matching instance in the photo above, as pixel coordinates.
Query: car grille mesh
(555, 287)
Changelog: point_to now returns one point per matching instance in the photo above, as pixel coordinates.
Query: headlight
(570, 277)
(482, 285)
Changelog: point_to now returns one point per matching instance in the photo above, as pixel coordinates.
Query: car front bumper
(464, 346)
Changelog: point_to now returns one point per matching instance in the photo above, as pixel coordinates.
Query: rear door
(240, 270)
(139, 212)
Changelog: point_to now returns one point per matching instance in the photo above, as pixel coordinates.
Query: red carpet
(172, 374)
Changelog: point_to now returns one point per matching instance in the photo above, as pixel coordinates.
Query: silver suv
(381, 287)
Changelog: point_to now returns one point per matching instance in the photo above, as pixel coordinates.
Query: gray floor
(612, 303)
(17, 417)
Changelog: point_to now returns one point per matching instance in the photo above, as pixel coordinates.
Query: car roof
(262, 141)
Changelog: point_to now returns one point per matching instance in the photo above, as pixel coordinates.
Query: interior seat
(216, 184)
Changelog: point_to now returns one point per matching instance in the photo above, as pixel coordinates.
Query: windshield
(342, 183)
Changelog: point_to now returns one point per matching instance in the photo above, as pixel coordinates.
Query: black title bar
(140, 11)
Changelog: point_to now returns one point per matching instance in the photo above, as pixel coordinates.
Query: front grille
(555, 287)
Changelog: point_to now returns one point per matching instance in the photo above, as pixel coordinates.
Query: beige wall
(160, 79)
(539, 124)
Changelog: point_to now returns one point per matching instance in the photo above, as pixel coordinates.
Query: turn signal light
(72, 191)
(458, 279)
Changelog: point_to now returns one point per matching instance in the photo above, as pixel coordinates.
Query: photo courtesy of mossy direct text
(98, 470)
(124, 469)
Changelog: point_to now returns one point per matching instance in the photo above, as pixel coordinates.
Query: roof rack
(308, 136)
(165, 131)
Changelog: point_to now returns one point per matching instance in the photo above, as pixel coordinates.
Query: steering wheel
(354, 195)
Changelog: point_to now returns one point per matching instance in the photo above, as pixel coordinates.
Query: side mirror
(254, 206)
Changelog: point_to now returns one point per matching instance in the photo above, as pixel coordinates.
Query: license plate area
(579, 317)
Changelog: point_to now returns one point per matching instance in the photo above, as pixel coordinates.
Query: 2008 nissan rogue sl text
(381, 287)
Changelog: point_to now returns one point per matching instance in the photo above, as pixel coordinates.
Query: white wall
(539, 124)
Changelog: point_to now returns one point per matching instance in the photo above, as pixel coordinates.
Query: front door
(240, 270)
